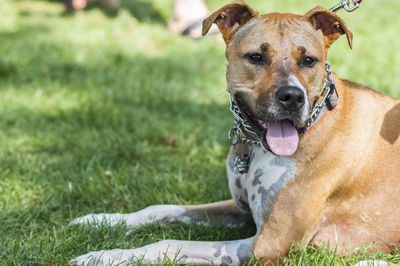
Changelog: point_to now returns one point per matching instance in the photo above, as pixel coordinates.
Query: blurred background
(104, 109)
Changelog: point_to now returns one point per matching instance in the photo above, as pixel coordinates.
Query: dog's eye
(308, 61)
(256, 58)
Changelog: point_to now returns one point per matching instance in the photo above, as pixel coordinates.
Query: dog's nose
(292, 98)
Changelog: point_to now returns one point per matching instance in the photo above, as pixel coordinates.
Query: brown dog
(318, 169)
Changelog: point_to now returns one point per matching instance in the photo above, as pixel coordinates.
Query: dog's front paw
(104, 257)
(91, 258)
(373, 263)
(98, 219)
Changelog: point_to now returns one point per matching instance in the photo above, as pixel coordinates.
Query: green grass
(111, 113)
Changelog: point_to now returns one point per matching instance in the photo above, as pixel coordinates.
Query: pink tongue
(282, 138)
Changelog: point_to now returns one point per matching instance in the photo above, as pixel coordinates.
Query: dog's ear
(331, 25)
(229, 18)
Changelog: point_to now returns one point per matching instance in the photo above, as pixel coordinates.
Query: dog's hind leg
(182, 252)
(223, 211)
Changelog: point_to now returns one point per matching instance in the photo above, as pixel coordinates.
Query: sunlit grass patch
(17, 192)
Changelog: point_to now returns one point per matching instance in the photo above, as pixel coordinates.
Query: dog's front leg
(182, 252)
(223, 211)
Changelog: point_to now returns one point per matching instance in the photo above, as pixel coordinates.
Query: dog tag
(241, 164)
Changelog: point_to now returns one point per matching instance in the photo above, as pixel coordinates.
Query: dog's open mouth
(282, 136)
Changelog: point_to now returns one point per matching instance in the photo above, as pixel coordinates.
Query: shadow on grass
(125, 111)
(142, 10)
(25, 33)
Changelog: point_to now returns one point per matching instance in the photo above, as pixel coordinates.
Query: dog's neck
(323, 131)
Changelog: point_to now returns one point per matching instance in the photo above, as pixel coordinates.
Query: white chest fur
(253, 192)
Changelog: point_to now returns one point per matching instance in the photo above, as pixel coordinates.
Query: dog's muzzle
(281, 136)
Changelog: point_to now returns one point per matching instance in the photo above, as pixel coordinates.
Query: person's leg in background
(188, 16)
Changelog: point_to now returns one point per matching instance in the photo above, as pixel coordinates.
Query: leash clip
(346, 5)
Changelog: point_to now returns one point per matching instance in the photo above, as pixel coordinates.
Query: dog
(315, 158)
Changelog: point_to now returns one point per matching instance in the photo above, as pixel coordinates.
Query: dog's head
(276, 66)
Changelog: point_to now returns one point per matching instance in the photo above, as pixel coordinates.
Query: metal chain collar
(242, 132)
(326, 92)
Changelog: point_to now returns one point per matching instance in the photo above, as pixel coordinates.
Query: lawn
(109, 112)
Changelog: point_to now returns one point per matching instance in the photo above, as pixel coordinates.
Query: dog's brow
(302, 50)
(264, 47)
